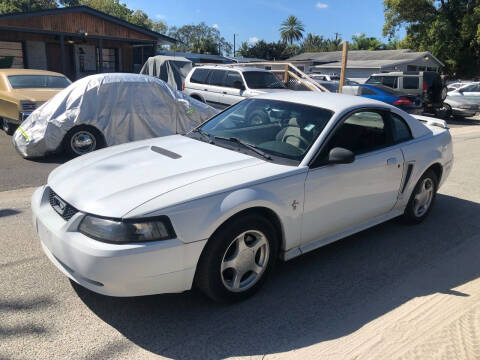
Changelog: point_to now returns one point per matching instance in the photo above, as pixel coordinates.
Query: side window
(199, 76)
(217, 77)
(400, 130)
(390, 81)
(366, 91)
(411, 82)
(362, 132)
(232, 78)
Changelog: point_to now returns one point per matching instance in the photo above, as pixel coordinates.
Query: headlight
(127, 231)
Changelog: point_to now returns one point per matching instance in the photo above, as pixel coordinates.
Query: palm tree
(292, 29)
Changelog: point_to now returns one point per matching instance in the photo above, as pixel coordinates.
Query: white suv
(222, 86)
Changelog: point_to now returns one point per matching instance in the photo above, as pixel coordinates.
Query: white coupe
(269, 178)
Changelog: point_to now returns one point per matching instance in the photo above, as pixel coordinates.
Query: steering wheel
(302, 140)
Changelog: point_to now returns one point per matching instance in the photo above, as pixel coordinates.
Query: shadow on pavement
(320, 296)
(51, 159)
(8, 212)
(463, 121)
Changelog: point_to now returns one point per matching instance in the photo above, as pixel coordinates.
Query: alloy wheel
(245, 261)
(423, 197)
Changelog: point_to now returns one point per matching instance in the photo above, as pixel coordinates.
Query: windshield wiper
(204, 134)
(244, 144)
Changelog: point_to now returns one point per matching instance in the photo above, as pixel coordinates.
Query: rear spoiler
(432, 121)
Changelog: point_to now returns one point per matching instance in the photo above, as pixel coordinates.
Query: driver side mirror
(340, 156)
(238, 85)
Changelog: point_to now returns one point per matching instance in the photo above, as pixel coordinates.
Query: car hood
(266, 91)
(113, 181)
(35, 95)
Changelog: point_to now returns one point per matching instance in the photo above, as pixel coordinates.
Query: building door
(54, 59)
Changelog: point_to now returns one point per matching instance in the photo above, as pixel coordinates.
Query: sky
(253, 20)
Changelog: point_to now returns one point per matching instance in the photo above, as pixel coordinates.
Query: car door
(340, 197)
(213, 92)
(233, 88)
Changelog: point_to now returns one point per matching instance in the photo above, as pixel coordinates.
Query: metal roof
(89, 10)
(396, 56)
(194, 56)
(361, 64)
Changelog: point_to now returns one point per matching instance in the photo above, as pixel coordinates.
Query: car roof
(231, 67)
(331, 101)
(8, 72)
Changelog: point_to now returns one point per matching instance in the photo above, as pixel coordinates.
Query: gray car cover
(124, 107)
(172, 70)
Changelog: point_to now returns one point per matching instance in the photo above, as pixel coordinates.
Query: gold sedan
(23, 90)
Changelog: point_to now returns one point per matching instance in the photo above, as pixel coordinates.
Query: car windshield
(38, 82)
(262, 80)
(331, 86)
(280, 129)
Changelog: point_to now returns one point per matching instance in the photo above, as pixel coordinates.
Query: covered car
(108, 109)
(171, 69)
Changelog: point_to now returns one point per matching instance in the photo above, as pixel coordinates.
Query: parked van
(222, 86)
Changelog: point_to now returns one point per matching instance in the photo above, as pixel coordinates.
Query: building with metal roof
(76, 41)
(362, 63)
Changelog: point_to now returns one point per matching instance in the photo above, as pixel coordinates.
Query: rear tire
(447, 111)
(422, 198)
(82, 140)
(7, 127)
(237, 259)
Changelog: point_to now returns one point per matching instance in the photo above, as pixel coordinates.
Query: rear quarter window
(400, 130)
(411, 83)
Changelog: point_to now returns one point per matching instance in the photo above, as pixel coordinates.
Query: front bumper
(117, 270)
(463, 112)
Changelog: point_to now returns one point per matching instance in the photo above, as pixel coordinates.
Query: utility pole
(344, 66)
(234, 35)
(337, 35)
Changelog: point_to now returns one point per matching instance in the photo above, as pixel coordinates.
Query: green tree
(269, 51)
(362, 42)
(314, 43)
(10, 6)
(199, 37)
(292, 29)
(140, 18)
(450, 29)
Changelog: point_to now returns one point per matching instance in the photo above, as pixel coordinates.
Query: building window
(108, 60)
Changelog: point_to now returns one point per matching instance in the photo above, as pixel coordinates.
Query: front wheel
(422, 198)
(237, 259)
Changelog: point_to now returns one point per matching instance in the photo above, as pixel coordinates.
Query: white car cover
(124, 107)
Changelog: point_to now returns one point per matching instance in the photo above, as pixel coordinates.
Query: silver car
(463, 106)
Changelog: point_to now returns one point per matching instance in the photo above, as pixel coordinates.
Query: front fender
(198, 219)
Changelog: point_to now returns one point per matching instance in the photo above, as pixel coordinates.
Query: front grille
(63, 209)
(29, 106)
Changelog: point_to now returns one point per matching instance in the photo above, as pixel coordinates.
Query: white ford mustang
(271, 177)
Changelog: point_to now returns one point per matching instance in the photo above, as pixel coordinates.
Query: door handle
(205, 89)
(392, 161)
(224, 92)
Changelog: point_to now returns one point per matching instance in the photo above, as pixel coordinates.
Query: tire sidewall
(208, 277)
(410, 216)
